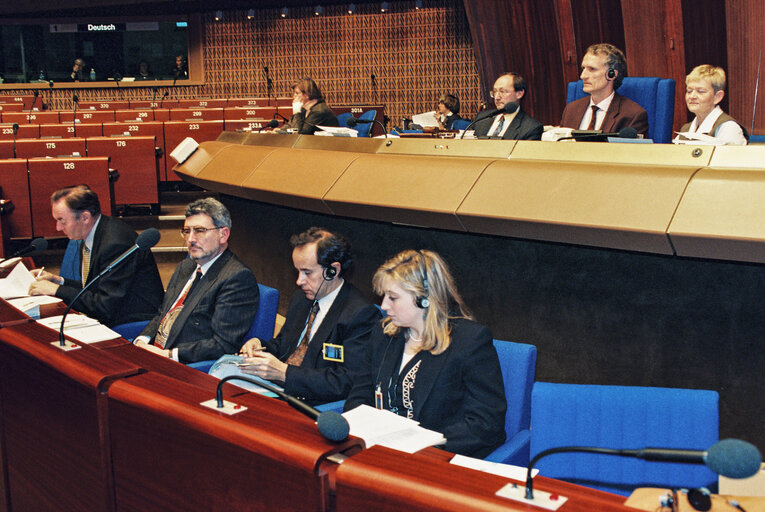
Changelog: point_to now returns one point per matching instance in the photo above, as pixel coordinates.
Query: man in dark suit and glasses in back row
(212, 297)
(516, 125)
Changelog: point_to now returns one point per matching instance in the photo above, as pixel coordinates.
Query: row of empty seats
(28, 102)
(126, 115)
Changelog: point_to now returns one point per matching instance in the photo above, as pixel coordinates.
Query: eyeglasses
(494, 92)
(199, 231)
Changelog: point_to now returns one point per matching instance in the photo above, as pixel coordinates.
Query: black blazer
(319, 115)
(459, 393)
(348, 323)
(131, 292)
(523, 127)
(216, 315)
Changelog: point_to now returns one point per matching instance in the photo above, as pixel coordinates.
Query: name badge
(378, 397)
(333, 353)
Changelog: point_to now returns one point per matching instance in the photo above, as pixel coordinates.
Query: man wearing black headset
(328, 321)
(603, 69)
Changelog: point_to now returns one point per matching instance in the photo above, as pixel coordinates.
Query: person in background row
(704, 90)
(143, 71)
(131, 292)
(78, 73)
(604, 67)
(180, 71)
(429, 361)
(309, 111)
(447, 111)
(509, 88)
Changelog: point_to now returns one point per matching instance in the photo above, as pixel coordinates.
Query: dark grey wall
(596, 316)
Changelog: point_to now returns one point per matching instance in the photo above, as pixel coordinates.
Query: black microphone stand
(75, 104)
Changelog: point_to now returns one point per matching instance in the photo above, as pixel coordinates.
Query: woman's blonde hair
(426, 276)
(714, 74)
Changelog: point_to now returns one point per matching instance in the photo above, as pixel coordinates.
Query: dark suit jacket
(459, 393)
(622, 112)
(132, 291)
(216, 314)
(348, 323)
(320, 115)
(523, 127)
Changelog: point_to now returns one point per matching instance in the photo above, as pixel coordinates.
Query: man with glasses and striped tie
(212, 297)
(511, 122)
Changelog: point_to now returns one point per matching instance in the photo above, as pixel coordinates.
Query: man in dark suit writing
(508, 89)
(328, 320)
(603, 69)
(131, 292)
(212, 297)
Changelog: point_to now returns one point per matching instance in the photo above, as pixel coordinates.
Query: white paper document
(495, 468)
(337, 131)
(388, 429)
(17, 283)
(698, 139)
(31, 305)
(81, 328)
(425, 119)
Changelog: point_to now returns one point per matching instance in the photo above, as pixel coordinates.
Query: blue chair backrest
(265, 318)
(460, 124)
(655, 95)
(71, 267)
(517, 362)
(622, 417)
(342, 119)
(366, 129)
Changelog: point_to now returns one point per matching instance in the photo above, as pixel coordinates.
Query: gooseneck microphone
(167, 93)
(628, 132)
(273, 123)
(15, 132)
(146, 240)
(331, 424)
(352, 122)
(732, 458)
(508, 108)
(75, 104)
(36, 93)
(38, 244)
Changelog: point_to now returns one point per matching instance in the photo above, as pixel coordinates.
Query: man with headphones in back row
(603, 69)
(325, 332)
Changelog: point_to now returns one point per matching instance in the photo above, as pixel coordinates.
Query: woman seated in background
(447, 111)
(309, 111)
(429, 361)
(704, 90)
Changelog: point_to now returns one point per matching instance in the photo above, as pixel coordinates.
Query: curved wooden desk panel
(352, 144)
(449, 147)
(616, 154)
(221, 165)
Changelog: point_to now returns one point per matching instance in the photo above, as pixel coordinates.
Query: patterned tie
(85, 263)
(296, 358)
(594, 116)
(498, 130)
(163, 332)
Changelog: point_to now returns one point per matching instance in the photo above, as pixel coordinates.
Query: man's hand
(153, 348)
(43, 288)
(251, 347)
(42, 275)
(266, 366)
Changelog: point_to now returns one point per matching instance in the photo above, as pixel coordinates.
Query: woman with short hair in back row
(429, 361)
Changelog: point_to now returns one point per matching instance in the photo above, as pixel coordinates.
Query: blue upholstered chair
(342, 119)
(460, 124)
(517, 362)
(262, 325)
(655, 95)
(365, 129)
(622, 417)
(130, 330)
(71, 267)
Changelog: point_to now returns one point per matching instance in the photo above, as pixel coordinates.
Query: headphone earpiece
(329, 273)
(422, 301)
(611, 73)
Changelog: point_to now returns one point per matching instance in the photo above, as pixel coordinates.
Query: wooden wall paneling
(597, 21)
(745, 22)
(567, 40)
(655, 44)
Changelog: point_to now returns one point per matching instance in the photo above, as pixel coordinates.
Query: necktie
(501, 123)
(296, 358)
(163, 332)
(85, 263)
(594, 116)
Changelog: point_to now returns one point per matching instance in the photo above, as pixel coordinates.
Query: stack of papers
(388, 429)
(697, 139)
(80, 327)
(31, 305)
(17, 283)
(337, 131)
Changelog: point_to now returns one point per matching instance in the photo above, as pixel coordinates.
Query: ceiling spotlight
(218, 15)
(351, 8)
(250, 14)
(318, 10)
(285, 12)
(418, 4)
(384, 7)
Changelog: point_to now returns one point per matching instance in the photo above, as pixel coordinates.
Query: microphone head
(351, 122)
(36, 93)
(333, 426)
(510, 107)
(15, 128)
(265, 69)
(39, 244)
(733, 458)
(628, 132)
(273, 123)
(147, 239)
(75, 98)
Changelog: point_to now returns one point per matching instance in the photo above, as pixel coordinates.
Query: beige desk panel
(449, 147)
(228, 168)
(739, 157)
(298, 178)
(277, 140)
(623, 207)
(417, 190)
(722, 216)
(614, 153)
(199, 159)
(352, 144)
